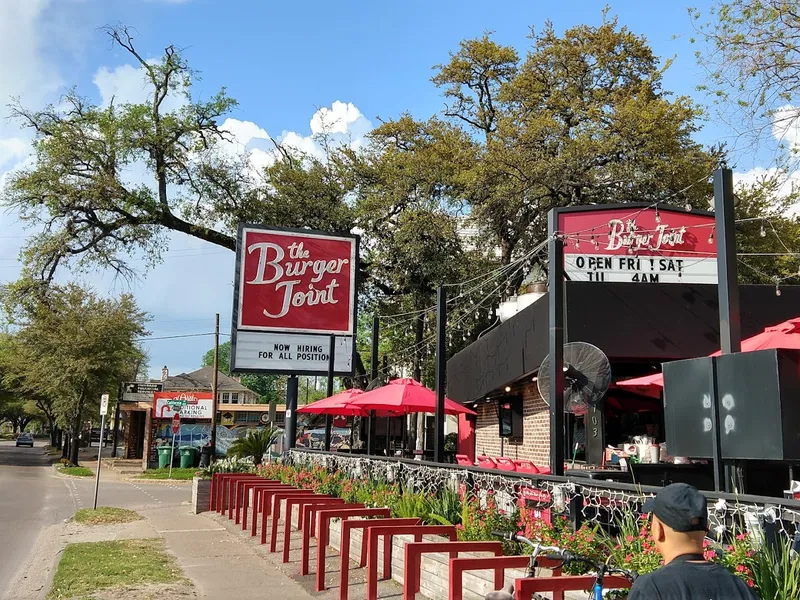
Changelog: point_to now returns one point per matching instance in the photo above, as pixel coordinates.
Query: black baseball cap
(679, 506)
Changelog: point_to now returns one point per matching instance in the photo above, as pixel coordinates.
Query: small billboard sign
(191, 405)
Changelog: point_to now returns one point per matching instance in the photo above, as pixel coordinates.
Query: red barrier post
(277, 498)
(498, 564)
(301, 502)
(525, 588)
(265, 501)
(309, 515)
(238, 485)
(415, 550)
(373, 533)
(323, 532)
(252, 486)
(344, 546)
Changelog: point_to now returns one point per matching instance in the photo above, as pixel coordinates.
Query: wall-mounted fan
(587, 375)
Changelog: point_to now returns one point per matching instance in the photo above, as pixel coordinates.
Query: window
(224, 398)
(234, 397)
(509, 412)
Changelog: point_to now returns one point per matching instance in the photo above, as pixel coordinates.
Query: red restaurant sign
(639, 245)
(296, 281)
(191, 405)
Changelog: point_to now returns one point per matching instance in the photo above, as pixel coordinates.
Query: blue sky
(282, 61)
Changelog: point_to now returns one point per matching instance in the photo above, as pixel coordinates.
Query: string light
(763, 232)
(508, 388)
(658, 216)
(688, 207)
(711, 237)
(777, 289)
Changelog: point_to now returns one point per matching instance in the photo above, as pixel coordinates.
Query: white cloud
(786, 126)
(128, 84)
(336, 119)
(13, 148)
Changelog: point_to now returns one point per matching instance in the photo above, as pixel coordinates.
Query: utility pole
(214, 383)
(441, 372)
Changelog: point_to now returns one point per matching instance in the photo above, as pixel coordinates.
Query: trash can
(164, 456)
(187, 457)
(205, 456)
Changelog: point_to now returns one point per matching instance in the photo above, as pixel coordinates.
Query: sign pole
(103, 412)
(116, 422)
(214, 391)
(329, 418)
(290, 434)
(172, 454)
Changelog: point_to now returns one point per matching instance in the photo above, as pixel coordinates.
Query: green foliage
(633, 548)
(266, 386)
(409, 505)
(255, 444)
(776, 571)
(445, 507)
(480, 517)
(231, 464)
(176, 473)
(71, 346)
(75, 471)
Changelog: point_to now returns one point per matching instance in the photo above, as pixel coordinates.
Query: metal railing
(581, 499)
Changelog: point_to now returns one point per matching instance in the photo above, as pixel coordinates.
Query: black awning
(630, 322)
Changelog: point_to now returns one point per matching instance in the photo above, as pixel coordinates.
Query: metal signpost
(176, 427)
(103, 413)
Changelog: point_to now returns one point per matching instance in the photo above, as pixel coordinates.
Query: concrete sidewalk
(221, 565)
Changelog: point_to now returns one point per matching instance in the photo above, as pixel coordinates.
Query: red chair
(486, 462)
(526, 466)
(464, 461)
(544, 470)
(505, 464)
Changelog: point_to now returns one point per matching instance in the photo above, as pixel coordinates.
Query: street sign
(103, 405)
(143, 387)
(176, 423)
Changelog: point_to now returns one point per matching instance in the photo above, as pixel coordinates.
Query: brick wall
(535, 443)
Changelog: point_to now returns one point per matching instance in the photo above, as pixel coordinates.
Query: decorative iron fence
(580, 499)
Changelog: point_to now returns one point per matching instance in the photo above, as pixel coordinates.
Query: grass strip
(106, 515)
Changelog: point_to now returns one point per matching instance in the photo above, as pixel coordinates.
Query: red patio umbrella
(406, 396)
(339, 404)
(784, 336)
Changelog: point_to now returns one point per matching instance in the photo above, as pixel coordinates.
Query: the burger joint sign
(293, 290)
(638, 245)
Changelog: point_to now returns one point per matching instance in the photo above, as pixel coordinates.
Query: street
(32, 497)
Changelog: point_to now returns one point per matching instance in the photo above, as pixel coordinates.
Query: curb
(157, 481)
(55, 467)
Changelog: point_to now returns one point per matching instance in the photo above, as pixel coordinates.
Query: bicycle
(601, 569)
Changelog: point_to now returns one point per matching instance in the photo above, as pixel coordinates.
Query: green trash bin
(187, 456)
(164, 456)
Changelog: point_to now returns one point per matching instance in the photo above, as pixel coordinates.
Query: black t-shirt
(682, 580)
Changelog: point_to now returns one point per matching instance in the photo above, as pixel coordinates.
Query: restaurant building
(638, 323)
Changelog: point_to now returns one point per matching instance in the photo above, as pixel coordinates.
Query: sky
(291, 65)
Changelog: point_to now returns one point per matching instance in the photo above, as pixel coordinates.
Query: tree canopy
(580, 117)
(71, 346)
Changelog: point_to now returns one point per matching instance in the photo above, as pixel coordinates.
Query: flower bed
(476, 515)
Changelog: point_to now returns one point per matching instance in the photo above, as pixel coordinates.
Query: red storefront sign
(639, 244)
(295, 281)
(191, 405)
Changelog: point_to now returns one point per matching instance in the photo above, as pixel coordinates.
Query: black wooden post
(290, 436)
(730, 328)
(441, 373)
(555, 298)
(329, 418)
(716, 439)
(116, 421)
(373, 378)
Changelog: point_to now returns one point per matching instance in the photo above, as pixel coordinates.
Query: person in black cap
(679, 522)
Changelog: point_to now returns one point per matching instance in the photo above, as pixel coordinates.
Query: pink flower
(628, 558)
(741, 536)
(629, 538)
(750, 583)
(706, 543)
(740, 568)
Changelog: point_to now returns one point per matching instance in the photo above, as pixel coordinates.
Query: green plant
(451, 442)
(480, 517)
(409, 505)
(256, 444)
(776, 571)
(445, 508)
(232, 464)
(633, 548)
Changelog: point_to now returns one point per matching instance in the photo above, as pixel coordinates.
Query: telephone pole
(214, 391)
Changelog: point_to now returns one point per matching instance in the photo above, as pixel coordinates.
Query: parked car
(25, 439)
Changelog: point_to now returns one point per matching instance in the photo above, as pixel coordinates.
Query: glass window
(234, 397)
(225, 398)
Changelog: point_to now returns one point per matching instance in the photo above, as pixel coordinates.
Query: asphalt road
(33, 497)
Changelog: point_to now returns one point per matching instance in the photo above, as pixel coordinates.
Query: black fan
(587, 375)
